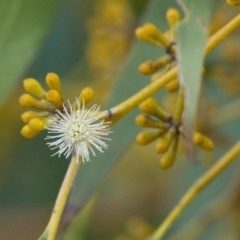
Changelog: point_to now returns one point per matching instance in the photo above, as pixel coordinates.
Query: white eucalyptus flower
(78, 130)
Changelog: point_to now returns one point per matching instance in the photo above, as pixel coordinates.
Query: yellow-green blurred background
(92, 43)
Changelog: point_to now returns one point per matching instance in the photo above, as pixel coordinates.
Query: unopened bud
(164, 143)
(53, 96)
(207, 144)
(27, 100)
(145, 138)
(86, 95)
(154, 33)
(149, 67)
(28, 115)
(27, 132)
(145, 121)
(173, 86)
(202, 141)
(169, 158)
(53, 82)
(152, 107)
(38, 124)
(141, 35)
(173, 16)
(33, 87)
(197, 138)
(152, 66)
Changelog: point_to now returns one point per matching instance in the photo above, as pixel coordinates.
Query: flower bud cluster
(168, 132)
(44, 103)
(151, 34)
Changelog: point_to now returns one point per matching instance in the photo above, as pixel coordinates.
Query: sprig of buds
(44, 103)
(151, 34)
(168, 130)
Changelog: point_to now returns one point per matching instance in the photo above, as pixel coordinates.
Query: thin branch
(52, 227)
(196, 189)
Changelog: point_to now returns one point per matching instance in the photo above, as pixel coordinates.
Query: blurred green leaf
(24, 25)
(129, 82)
(79, 227)
(191, 39)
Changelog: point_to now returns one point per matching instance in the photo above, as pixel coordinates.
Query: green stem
(179, 107)
(196, 189)
(53, 224)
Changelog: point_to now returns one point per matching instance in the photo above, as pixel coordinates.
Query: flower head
(77, 130)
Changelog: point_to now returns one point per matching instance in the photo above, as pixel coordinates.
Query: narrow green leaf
(191, 39)
(24, 25)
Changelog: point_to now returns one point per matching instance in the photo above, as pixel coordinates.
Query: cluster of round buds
(151, 34)
(44, 103)
(168, 132)
(72, 128)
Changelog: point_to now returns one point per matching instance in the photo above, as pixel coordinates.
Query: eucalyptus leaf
(192, 34)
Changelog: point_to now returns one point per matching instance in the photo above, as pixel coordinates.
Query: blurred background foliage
(92, 43)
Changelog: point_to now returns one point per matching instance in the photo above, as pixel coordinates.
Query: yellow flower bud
(197, 138)
(173, 16)
(169, 158)
(154, 33)
(173, 86)
(145, 138)
(233, 2)
(202, 141)
(33, 87)
(163, 145)
(53, 96)
(37, 124)
(149, 67)
(152, 107)
(28, 115)
(207, 144)
(27, 132)
(141, 35)
(145, 121)
(53, 82)
(27, 100)
(87, 95)
(152, 66)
